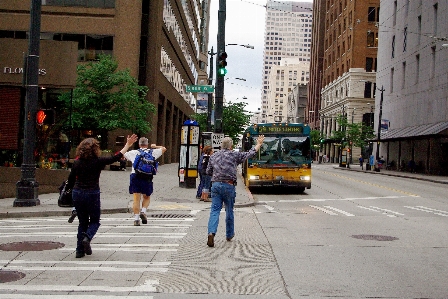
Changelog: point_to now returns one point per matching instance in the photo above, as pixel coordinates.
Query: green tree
(106, 99)
(358, 134)
(315, 139)
(235, 120)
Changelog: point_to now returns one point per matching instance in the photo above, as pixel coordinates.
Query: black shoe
(230, 239)
(211, 240)
(136, 222)
(144, 218)
(86, 244)
(72, 216)
(80, 254)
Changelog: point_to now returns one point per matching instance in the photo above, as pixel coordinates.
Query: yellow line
(371, 184)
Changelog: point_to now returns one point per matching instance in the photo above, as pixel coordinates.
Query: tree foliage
(106, 98)
(358, 134)
(235, 120)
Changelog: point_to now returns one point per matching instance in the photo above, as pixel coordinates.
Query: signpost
(200, 88)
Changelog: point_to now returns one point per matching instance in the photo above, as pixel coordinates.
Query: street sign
(200, 88)
(216, 140)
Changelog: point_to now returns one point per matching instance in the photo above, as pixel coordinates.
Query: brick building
(162, 43)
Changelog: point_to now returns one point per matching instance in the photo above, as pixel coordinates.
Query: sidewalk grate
(8, 276)
(375, 237)
(31, 246)
(170, 216)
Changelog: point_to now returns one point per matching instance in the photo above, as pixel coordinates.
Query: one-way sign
(200, 88)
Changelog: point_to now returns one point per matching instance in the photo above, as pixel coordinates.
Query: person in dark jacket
(84, 181)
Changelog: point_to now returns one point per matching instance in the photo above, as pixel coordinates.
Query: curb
(55, 213)
(393, 174)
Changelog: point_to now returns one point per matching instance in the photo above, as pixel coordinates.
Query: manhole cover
(8, 276)
(31, 246)
(375, 237)
(169, 216)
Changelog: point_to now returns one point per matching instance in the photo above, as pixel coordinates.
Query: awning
(416, 131)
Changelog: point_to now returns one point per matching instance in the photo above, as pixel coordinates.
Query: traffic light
(45, 117)
(322, 140)
(222, 63)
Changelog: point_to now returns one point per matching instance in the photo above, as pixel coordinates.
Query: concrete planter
(49, 180)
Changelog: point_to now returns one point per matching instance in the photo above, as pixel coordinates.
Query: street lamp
(245, 46)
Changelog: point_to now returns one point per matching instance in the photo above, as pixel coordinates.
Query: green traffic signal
(222, 63)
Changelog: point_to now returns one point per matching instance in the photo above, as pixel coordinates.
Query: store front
(57, 74)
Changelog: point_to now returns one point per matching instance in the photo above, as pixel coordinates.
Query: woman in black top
(84, 180)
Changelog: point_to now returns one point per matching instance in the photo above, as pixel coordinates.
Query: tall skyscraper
(287, 36)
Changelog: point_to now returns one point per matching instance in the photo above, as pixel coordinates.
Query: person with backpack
(206, 179)
(144, 167)
(83, 180)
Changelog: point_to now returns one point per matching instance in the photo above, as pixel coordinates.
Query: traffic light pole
(27, 187)
(219, 88)
(210, 95)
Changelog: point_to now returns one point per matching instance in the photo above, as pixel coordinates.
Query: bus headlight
(305, 178)
(254, 177)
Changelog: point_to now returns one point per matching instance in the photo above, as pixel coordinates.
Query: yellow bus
(284, 159)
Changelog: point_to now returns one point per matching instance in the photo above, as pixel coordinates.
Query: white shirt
(156, 152)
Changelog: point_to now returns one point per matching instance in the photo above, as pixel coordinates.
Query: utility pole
(210, 95)
(27, 187)
(380, 115)
(219, 88)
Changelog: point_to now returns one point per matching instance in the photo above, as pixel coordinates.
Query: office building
(345, 75)
(162, 43)
(411, 110)
(287, 36)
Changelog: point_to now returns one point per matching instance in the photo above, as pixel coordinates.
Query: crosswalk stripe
(339, 211)
(324, 210)
(32, 296)
(76, 262)
(96, 269)
(98, 248)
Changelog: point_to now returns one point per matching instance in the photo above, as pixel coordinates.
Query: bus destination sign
(280, 130)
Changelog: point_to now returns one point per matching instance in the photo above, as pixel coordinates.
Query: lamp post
(380, 115)
(245, 46)
(28, 187)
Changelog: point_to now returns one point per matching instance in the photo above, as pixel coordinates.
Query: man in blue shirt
(222, 168)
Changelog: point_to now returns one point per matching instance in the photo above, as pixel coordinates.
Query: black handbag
(65, 196)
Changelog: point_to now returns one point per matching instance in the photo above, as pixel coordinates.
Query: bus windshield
(282, 150)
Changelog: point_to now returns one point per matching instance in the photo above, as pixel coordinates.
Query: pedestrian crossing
(123, 257)
(350, 209)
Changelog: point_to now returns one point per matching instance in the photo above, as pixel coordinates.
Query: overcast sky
(245, 20)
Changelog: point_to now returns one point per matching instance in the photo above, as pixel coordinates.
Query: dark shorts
(140, 186)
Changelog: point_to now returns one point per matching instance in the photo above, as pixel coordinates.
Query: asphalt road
(352, 235)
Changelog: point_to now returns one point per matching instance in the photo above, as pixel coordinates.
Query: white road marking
(429, 210)
(337, 199)
(324, 210)
(339, 211)
(271, 209)
(100, 235)
(373, 210)
(78, 268)
(32, 296)
(387, 211)
(89, 263)
(148, 286)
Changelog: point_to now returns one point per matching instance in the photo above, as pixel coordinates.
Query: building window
(371, 41)
(89, 46)
(405, 38)
(393, 46)
(371, 14)
(82, 3)
(369, 64)
(392, 71)
(432, 70)
(417, 67)
(367, 89)
(403, 76)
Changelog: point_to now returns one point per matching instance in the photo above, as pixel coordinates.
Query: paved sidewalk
(115, 197)
(403, 174)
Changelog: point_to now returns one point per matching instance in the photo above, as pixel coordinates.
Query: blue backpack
(145, 165)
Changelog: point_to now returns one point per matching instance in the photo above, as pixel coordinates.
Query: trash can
(368, 167)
